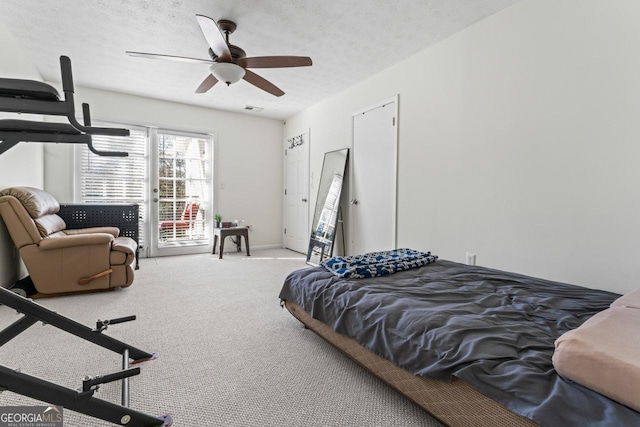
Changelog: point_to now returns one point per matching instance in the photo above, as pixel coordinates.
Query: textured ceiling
(348, 40)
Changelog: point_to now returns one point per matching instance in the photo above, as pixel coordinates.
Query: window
(102, 179)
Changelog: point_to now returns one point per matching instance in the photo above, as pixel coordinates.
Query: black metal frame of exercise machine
(83, 400)
(13, 132)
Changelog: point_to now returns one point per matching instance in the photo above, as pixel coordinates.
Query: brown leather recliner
(60, 260)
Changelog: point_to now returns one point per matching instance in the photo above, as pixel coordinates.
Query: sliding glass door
(181, 193)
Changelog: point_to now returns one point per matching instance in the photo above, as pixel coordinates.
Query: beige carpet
(229, 355)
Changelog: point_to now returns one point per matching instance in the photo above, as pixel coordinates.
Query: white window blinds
(103, 179)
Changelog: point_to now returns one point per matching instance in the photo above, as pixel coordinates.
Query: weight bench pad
(37, 127)
(28, 89)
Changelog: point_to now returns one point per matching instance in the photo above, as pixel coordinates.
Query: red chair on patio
(189, 215)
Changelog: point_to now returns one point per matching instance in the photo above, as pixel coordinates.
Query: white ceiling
(348, 41)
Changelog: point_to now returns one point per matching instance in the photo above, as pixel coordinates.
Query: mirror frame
(325, 217)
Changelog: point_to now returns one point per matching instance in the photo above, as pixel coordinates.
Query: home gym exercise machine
(32, 97)
(82, 400)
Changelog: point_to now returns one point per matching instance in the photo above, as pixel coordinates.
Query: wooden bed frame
(455, 403)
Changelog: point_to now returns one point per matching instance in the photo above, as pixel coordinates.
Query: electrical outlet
(471, 258)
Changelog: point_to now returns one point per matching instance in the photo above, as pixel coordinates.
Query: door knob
(155, 200)
(304, 200)
(354, 201)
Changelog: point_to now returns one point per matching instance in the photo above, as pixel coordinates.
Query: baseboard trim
(266, 247)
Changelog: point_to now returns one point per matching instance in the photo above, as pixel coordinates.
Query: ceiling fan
(229, 63)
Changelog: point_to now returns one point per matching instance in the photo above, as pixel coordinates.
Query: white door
(296, 230)
(373, 178)
(181, 193)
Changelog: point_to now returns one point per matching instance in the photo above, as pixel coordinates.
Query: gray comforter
(492, 329)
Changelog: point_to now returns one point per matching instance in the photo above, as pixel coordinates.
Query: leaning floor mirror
(325, 217)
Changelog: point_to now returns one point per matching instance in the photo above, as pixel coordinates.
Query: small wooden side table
(222, 233)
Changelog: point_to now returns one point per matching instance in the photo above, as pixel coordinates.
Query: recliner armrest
(114, 231)
(75, 240)
(125, 245)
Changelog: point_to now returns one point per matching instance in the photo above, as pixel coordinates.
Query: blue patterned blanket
(375, 264)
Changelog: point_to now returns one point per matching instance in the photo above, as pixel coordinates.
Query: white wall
(22, 164)
(519, 140)
(248, 156)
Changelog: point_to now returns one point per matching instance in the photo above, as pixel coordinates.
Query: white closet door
(297, 232)
(373, 179)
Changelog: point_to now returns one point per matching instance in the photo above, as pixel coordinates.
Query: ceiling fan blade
(168, 57)
(214, 37)
(274, 61)
(207, 84)
(262, 83)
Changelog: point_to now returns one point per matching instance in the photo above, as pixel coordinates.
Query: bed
(472, 346)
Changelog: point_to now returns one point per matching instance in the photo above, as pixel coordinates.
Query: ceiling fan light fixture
(227, 72)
